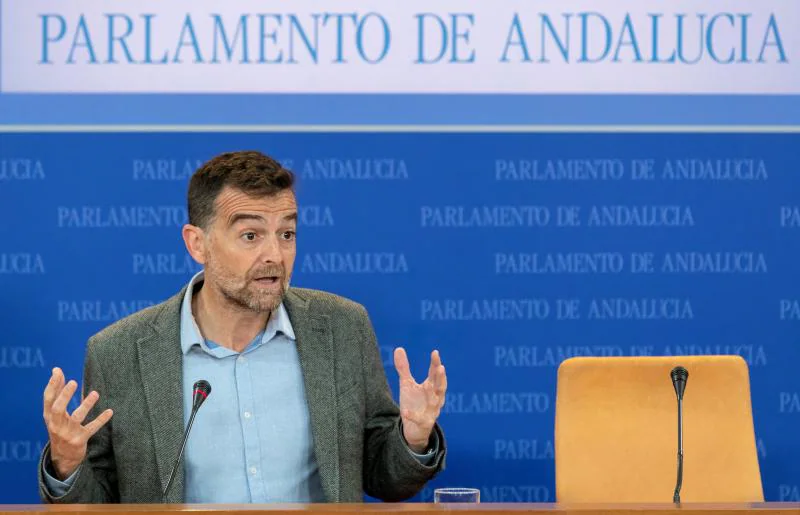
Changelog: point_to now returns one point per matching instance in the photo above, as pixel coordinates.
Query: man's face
(250, 248)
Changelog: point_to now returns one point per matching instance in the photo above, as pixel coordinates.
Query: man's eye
(249, 236)
(289, 235)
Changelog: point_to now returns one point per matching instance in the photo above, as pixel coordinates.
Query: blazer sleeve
(96, 478)
(391, 471)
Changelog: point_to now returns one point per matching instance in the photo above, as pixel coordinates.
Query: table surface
(408, 508)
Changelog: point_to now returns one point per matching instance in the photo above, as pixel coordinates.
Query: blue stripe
(451, 109)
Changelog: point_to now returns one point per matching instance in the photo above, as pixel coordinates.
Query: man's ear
(195, 240)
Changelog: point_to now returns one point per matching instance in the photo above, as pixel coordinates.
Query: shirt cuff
(55, 487)
(429, 456)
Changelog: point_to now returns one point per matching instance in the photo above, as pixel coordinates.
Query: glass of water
(442, 495)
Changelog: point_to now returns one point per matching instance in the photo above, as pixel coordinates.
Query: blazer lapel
(315, 348)
(160, 363)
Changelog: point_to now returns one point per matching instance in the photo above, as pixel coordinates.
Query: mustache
(268, 271)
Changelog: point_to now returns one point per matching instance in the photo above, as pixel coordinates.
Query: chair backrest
(616, 431)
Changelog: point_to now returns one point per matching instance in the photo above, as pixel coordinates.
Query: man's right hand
(68, 435)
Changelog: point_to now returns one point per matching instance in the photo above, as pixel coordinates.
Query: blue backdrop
(508, 252)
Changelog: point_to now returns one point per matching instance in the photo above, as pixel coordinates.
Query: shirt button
(246, 414)
(253, 470)
(241, 359)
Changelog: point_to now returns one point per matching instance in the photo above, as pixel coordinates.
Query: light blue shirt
(251, 441)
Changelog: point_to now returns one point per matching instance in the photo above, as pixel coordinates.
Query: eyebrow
(245, 216)
(292, 217)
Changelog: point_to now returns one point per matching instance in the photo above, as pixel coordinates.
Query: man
(300, 410)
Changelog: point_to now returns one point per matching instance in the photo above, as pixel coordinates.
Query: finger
(401, 364)
(60, 405)
(431, 397)
(101, 420)
(86, 406)
(53, 388)
(436, 361)
(441, 380)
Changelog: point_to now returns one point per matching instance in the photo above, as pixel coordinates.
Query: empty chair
(616, 431)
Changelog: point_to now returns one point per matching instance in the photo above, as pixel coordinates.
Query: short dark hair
(249, 171)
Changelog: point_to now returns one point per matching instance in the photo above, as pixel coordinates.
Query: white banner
(409, 46)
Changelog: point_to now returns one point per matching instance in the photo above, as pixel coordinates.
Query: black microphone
(201, 391)
(679, 376)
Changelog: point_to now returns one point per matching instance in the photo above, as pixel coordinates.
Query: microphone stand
(201, 391)
(679, 377)
(180, 456)
(676, 497)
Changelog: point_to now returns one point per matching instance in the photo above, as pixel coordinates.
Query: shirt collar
(279, 322)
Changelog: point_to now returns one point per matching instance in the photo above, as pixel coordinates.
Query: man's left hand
(420, 404)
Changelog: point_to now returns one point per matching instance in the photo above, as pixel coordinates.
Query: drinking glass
(442, 495)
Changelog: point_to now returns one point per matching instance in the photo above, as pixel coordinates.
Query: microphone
(200, 393)
(679, 377)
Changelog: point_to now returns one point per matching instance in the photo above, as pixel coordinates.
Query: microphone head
(679, 373)
(679, 377)
(201, 391)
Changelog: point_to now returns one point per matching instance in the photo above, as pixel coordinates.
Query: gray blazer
(135, 365)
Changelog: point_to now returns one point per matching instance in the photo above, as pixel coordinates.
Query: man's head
(242, 225)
